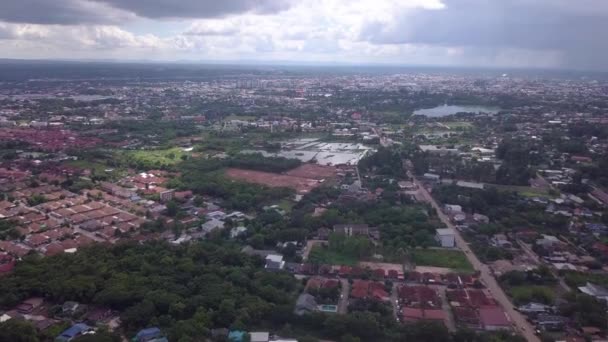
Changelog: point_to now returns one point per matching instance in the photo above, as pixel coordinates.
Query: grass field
(98, 169)
(441, 258)
(165, 157)
(458, 124)
(286, 205)
(323, 255)
(575, 279)
(240, 117)
(528, 293)
(527, 191)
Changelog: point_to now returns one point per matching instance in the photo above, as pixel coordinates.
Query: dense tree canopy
(184, 290)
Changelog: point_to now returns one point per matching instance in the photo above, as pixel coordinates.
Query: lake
(446, 110)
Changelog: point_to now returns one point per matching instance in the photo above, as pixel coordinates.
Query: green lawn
(240, 117)
(575, 279)
(531, 293)
(458, 124)
(286, 205)
(527, 191)
(164, 157)
(98, 168)
(323, 255)
(441, 258)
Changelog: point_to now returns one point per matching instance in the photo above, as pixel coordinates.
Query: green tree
(15, 330)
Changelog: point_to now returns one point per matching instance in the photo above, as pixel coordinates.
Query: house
(149, 334)
(406, 185)
(479, 218)
(236, 231)
(7, 263)
(417, 314)
(500, 240)
(352, 229)
(29, 305)
(493, 318)
(534, 309)
(305, 304)
(551, 322)
(274, 262)
(217, 215)
(446, 237)
(212, 225)
(236, 336)
(452, 208)
(431, 177)
(259, 336)
(470, 185)
(71, 309)
(596, 291)
(323, 233)
(548, 241)
(75, 331)
(166, 196)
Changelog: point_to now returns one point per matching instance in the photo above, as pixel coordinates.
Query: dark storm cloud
(198, 8)
(69, 12)
(62, 12)
(576, 29)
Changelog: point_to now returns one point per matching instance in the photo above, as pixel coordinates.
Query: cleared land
(302, 179)
(313, 171)
(324, 255)
(532, 293)
(441, 258)
(527, 191)
(159, 158)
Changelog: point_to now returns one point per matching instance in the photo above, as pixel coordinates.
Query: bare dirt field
(382, 265)
(313, 171)
(300, 184)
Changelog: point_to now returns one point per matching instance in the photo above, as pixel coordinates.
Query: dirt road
(519, 322)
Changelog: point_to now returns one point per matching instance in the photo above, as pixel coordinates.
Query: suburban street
(343, 303)
(519, 321)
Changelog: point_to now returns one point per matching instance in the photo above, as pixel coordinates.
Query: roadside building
(446, 237)
(493, 318)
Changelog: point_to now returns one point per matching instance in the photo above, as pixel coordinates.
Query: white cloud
(446, 32)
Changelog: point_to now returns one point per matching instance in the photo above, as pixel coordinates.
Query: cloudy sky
(487, 33)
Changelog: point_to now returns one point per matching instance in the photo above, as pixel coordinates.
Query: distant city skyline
(553, 34)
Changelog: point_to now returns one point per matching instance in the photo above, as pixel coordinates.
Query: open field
(323, 255)
(575, 279)
(458, 124)
(165, 157)
(526, 294)
(98, 169)
(286, 205)
(441, 258)
(301, 185)
(527, 191)
(240, 117)
(313, 171)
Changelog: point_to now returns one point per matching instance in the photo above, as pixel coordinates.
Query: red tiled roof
(493, 317)
(435, 315)
(379, 273)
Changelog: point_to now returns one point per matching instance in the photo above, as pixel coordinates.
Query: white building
(274, 262)
(453, 208)
(446, 237)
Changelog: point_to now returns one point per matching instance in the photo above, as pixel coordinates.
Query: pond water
(446, 110)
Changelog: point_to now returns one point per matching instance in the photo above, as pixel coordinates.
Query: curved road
(521, 325)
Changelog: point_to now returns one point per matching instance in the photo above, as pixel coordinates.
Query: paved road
(343, 303)
(90, 235)
(395, 301)
(521, 325)
(309, 245)
(524, 247)
(445, 305)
